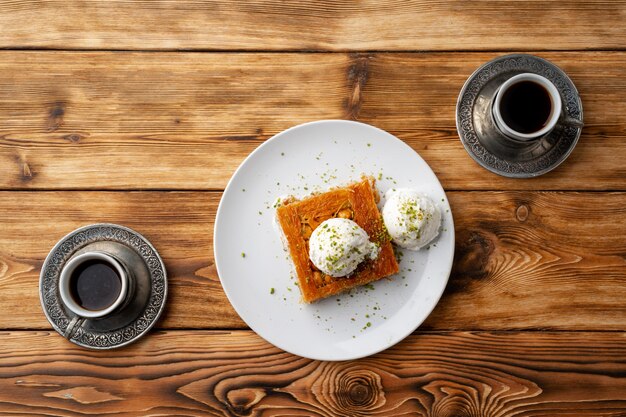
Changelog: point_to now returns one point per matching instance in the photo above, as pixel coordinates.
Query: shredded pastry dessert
(357, 202)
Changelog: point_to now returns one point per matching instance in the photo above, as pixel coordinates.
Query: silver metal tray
(498, 153)
(136, 317)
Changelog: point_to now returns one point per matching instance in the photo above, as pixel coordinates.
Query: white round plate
(257, 274)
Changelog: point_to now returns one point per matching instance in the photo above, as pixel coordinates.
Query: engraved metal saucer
(138, 315)
(501, 154)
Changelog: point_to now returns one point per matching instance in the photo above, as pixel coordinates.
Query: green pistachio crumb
(272, 290)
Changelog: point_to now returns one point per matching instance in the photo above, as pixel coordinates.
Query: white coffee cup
(65, 282)
(552, 118)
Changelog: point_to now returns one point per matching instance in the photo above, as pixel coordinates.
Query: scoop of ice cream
(411, 218)
(337, 246)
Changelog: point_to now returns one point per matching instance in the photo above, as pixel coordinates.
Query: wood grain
(524, 260)
(180, 225)
(319, 25)
(187, 120)
(542, 260)
(179, 123)
(238, 374)
(414, 97)
(121, 120)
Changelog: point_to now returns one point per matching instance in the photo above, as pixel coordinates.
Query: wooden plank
(186, 121)
(132, 120)
(237, 373)
(179, 225)
(524, 260)
(414, 97)
(536, 260)
(319, 25)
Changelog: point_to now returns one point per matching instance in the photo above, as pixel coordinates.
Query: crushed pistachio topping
(339, 245)
(411, 218)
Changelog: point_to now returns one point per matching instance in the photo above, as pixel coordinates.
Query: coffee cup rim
(70, 267)
(555, 98)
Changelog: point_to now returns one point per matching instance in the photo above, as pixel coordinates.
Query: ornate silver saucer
(499, 153)
(136, 317)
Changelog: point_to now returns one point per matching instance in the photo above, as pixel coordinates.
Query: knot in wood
(359, 390)
(73, 137)
(522, 213)
(55, 116)
(359, 393)
(473, 254)
(242, 400)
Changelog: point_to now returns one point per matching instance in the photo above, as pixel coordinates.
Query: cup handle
(569, 121)
(73, 326)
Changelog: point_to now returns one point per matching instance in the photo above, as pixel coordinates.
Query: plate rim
(384, 346)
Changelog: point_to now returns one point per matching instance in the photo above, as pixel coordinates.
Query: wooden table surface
(138, 112)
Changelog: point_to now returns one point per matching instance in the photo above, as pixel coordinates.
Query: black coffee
(526, 106)
(95, 285)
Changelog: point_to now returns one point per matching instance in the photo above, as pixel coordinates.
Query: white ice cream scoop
(337, 246)
(411, 218)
